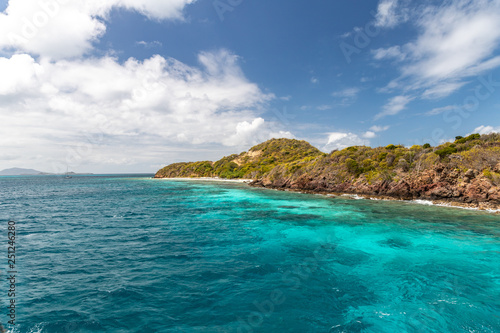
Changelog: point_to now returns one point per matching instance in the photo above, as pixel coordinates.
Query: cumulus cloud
(61, 108)
(67, 28)
(251, 133)
(369, 135)
(49, 105)
(340, 140)
(486, 130)
(394, 106)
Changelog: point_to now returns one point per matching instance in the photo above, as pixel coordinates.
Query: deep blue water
(132, 254)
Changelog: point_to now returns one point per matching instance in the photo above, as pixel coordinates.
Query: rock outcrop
(438, 183)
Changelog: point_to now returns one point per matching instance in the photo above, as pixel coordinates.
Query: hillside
(255, 163)
(466, 171)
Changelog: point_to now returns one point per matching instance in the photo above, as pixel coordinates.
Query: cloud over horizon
(158, 98)
(53, 97)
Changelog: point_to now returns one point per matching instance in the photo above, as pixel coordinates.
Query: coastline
(481, 207)
(211, 179)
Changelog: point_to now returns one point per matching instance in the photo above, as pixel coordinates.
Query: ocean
(127, 253)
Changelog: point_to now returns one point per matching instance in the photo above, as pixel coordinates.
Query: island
(19, 172)
(463, 173)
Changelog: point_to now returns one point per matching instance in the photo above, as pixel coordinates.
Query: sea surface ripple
(135, 254)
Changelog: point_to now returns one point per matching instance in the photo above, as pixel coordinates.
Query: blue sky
(129, 86)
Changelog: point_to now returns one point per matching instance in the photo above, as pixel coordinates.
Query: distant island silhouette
(32, 172)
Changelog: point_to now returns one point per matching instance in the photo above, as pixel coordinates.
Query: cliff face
(466, 171)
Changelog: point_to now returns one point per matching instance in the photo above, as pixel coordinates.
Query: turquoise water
(131, 254)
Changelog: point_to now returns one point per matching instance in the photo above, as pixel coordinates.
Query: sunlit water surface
(134, 254)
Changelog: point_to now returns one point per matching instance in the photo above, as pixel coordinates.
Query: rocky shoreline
(482, 206)
(440, 185)
(463, 174)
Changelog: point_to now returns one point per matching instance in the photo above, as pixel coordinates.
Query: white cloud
(394, 106)
(442, 90)
(340, 140)
(348, 92)
(440, 110)
(18, 74)
(46, 107)
(251, 133)
(486, 130)
(456, 40)
(314, 80)
(346, 34)
(393, 52)
(153, 9)
(372, 133)
(58, 108)
(67, 28)
(369, 135)
(379, 128)
(347, 96)
(149, 44)
(388, 15)
(324, 107)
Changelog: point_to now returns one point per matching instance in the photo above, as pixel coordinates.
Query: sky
(122, 86)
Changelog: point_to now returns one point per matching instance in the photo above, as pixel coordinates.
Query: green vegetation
(255, 163)
(460, 139)
(444, 152)
(287, 159)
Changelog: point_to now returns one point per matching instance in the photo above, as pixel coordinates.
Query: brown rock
(470, 174)
(441, 192)
(439, 168)
(401, 190)
(494, 194)
(478, 190)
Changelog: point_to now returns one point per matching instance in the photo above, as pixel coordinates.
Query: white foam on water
(424, 202)
(353, 196)
(449, 205)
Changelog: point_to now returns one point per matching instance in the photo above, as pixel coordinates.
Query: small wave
(424, 202)
(353, 196)
(449, 205)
